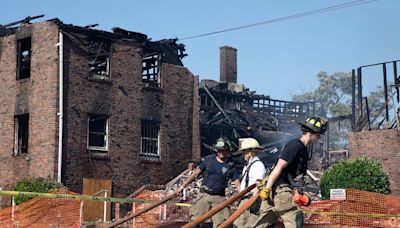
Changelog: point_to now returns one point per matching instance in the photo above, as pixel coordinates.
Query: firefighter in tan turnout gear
(217, 170)
(277, 193)
(253, 172)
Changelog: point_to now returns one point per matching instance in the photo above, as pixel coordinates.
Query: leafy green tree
(34, 184)
(332, 99)
(362, 173)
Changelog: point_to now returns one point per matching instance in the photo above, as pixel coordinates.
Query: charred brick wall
(126, 100)
(176, 118)
(115, 98)
(383, 145)
(36, 96)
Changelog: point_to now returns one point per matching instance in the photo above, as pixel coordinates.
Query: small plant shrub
(34, 184)
(362, 173)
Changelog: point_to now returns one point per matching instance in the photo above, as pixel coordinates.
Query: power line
(326, 9)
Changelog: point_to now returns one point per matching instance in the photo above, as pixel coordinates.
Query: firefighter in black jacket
(277, 193)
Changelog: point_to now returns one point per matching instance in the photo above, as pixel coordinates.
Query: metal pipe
(13, 208)
(80, 214)
(61, 104)
(105, 208)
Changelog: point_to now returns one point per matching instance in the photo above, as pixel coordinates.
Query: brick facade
(36, 96)
(123, 98)
(383, 145)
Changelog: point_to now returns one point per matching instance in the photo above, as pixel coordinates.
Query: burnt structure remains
(80, 103)
(230, 109)
(361, 117)
(377, 134)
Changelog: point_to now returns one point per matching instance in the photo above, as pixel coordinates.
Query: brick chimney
(228, 64)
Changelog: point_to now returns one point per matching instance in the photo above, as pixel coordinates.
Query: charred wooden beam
(359, 93)
(367, 109)
(396, 80)
(216, 103)
(23, 21)
(385, 91)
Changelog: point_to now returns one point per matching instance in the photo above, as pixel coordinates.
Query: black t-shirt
(216, 174)
(296, 154)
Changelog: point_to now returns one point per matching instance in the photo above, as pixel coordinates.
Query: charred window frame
(97, 133)
(21, 134)
(150, 140)
(151, 70)
(24, 53)
(99, 53)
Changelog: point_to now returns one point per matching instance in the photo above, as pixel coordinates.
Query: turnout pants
(280, 204)
(204, 203)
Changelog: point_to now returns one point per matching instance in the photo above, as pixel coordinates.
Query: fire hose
(239, 211)
(221, 206)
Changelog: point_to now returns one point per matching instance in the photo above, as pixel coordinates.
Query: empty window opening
(21, 134)
(98, 133)
(203, 99)
(150, 140)
(99, 59)
(24, 53)
(150, 74)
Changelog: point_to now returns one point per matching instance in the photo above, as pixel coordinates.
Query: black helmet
(314, 124)
(223, 143)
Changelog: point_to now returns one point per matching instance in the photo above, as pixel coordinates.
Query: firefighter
(253, 172)
(277, 193)
(217, 170)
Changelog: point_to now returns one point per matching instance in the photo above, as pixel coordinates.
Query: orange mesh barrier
(161, 214)
(360, 209)
(40, 212)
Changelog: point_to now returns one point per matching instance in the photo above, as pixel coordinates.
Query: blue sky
(277, 59)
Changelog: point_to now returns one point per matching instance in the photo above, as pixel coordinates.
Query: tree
(34, 184)
(362, 173)
(332, 98)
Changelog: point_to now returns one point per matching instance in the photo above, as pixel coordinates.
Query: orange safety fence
(41, 212)
(159, 215)
(360, 209)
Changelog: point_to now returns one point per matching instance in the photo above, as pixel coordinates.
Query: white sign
(338, 194)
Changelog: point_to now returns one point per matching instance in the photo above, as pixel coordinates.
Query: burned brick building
(80, 103)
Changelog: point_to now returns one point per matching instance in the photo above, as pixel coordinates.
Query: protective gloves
(263, 191)
(301, 198)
